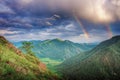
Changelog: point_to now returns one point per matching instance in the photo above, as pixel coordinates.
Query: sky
(81, 21)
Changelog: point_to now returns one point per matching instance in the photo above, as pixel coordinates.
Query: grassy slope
(101, 63)
(16, 66)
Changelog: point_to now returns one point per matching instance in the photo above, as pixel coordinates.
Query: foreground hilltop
(101, 63)
(17, 66)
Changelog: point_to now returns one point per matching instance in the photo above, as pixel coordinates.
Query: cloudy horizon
(81, 21)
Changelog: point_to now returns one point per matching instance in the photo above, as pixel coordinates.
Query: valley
(74, 62)
(55, 51)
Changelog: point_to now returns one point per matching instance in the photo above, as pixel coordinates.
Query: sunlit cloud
(97, 11)
(25, 2)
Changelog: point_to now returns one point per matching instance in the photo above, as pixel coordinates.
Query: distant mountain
(101, 63)
(57, 48)
(14, 65)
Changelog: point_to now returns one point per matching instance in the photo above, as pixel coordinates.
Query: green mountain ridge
(57, 49)
(14, 65)
(101, 63)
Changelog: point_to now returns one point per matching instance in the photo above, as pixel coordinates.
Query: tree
(27, 47)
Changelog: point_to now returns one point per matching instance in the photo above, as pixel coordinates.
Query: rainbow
(109, 30)
(86, 34)
(107, 26)
(82, 27)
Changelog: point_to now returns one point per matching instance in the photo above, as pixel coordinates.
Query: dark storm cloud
(4, 9)
(116, 27)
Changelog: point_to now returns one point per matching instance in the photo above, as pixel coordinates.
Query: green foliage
(27, 47)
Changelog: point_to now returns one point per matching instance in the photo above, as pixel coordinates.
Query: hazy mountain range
(57, 49)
